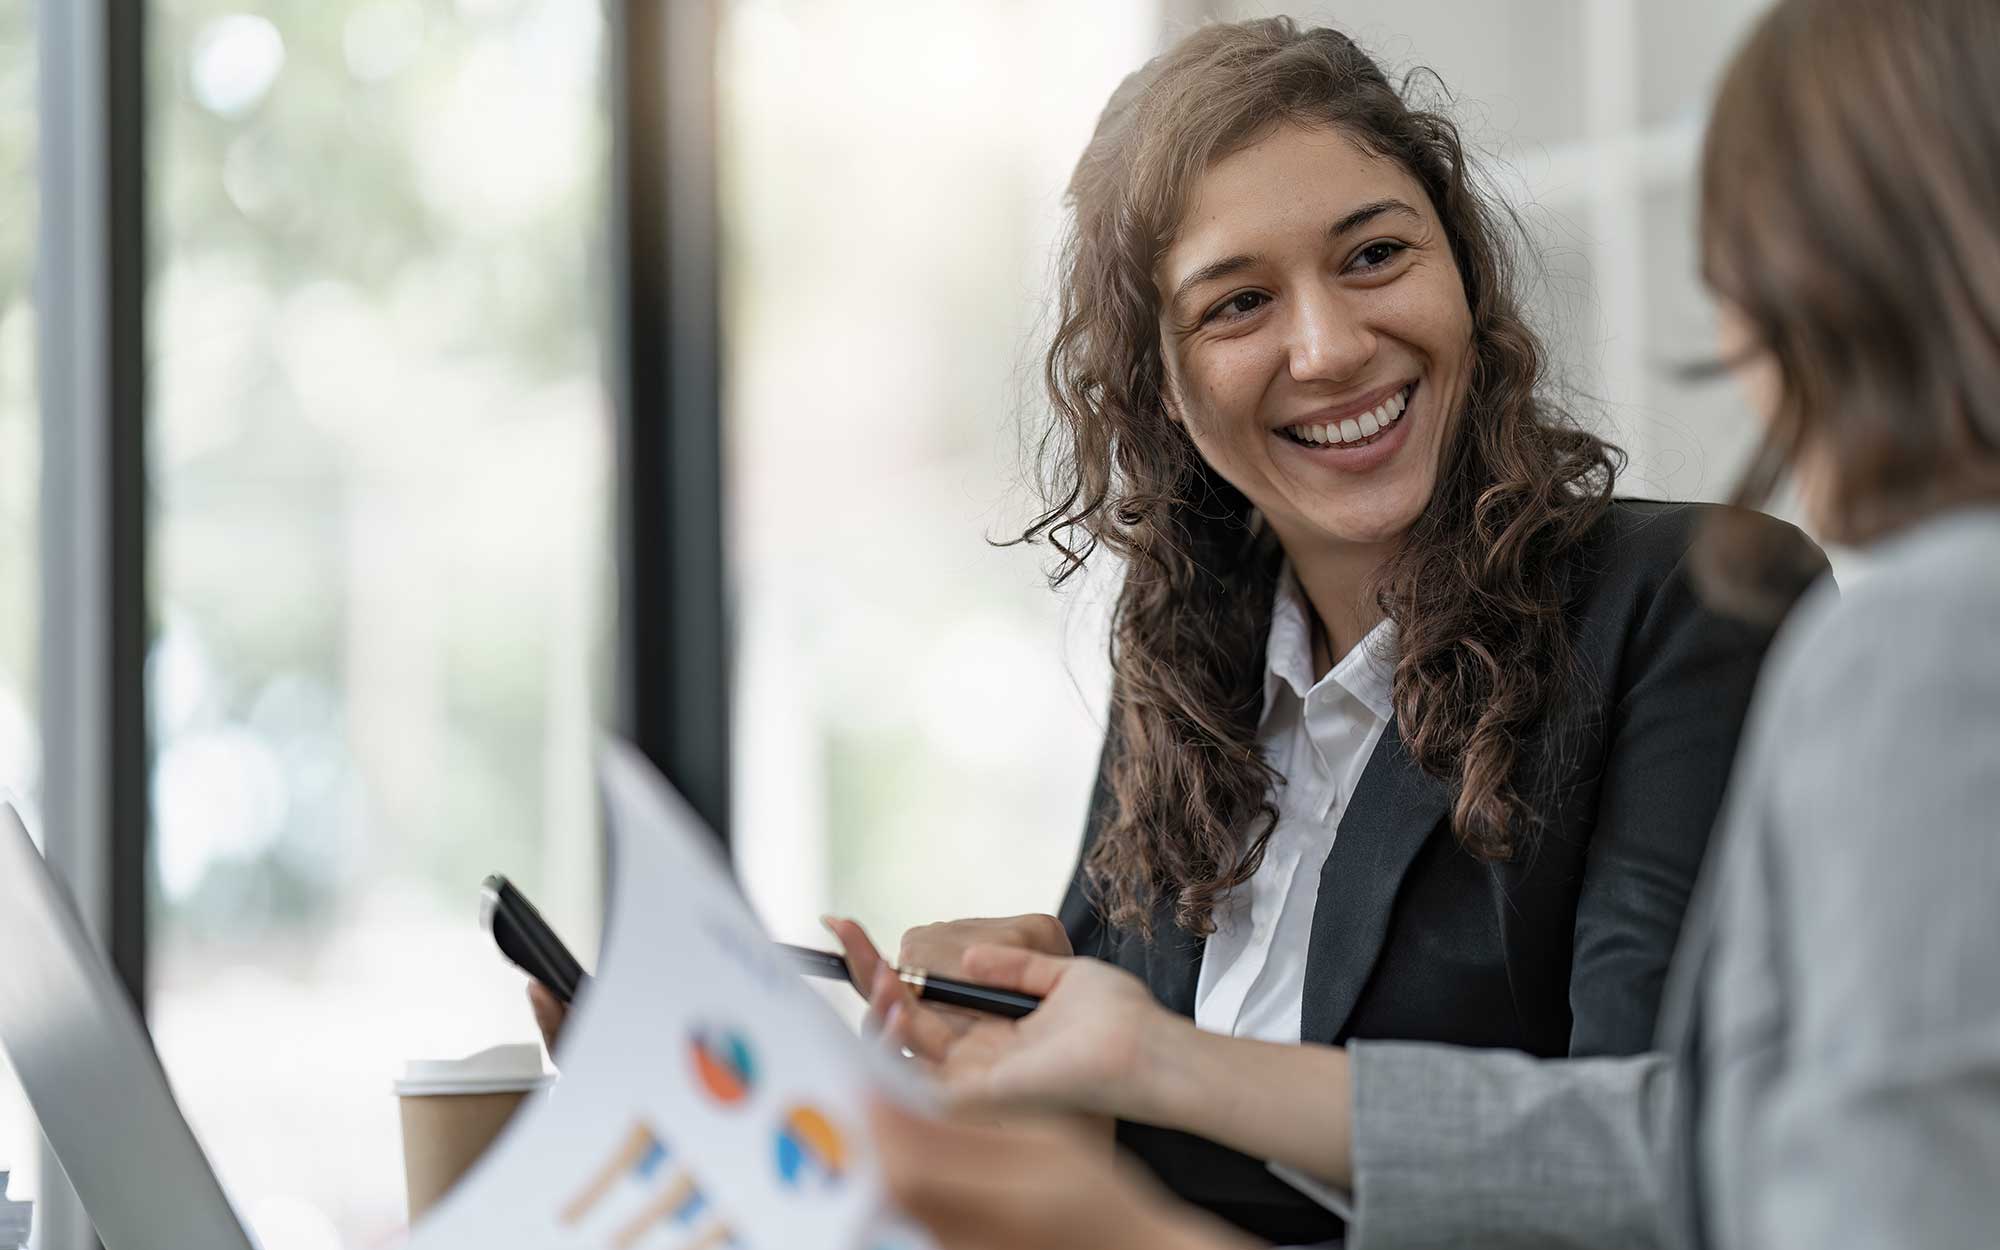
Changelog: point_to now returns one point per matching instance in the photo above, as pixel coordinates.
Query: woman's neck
(1339, 583)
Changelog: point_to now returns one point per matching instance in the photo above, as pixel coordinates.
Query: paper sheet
(708, 1099)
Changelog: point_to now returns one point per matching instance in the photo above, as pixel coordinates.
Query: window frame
(96, 610)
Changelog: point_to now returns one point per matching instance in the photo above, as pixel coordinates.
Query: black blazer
(1560, 951)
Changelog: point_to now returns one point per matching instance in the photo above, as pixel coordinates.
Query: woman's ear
(1170, 395)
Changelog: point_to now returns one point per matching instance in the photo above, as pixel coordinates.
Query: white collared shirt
(1319, 737)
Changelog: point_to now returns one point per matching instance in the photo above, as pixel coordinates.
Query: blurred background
(382, 477)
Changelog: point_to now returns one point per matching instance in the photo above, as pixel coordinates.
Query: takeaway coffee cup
(454, 1108)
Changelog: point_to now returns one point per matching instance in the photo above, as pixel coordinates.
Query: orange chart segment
(724, 1065)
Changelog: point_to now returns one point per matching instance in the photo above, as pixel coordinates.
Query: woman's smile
(1355, 438)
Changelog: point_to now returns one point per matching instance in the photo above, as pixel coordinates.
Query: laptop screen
(87, 1065)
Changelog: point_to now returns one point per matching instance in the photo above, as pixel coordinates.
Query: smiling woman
(1416, 731)
(1312, 252)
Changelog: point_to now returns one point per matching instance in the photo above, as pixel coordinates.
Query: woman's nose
(1329, 343)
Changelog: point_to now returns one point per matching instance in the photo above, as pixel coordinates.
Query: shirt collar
(1367, 672)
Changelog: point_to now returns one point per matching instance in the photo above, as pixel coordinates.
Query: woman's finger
(881, 992)
(1014, 968)
(939, 946)
(862, 958)
(549, 1013)
(895, 1014)
(922, 1029)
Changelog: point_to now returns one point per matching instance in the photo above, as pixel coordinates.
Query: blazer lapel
(1394, 809)
(1173, 961)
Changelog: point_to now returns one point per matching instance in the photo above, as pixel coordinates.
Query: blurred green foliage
(345, 365)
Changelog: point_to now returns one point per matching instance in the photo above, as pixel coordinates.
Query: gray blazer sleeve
(1851, 1045)
(1849, 1038)
(1497, 1150)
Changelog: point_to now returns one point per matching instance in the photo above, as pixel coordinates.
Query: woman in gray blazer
(1830, 1067)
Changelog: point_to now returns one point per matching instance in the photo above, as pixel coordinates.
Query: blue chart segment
(810, 1152)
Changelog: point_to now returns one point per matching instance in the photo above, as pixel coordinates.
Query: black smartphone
(526, 939)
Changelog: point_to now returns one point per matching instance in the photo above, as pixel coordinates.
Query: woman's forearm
(1286, 1104)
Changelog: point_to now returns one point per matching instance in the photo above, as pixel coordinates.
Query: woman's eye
(1376, 255)
(1238, 305)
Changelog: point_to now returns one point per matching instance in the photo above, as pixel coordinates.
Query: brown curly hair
(1478, 587)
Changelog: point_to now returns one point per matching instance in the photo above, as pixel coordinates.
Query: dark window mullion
(673, 671)
(128, 493)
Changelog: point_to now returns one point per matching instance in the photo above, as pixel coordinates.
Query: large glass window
(380, 452)
(916, 716)
(20, 500)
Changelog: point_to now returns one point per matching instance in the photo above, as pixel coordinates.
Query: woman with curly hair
(1417, 731)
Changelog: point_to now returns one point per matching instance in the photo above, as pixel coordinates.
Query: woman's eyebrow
(1369, 212)
(1236, 264)
(1210, 272)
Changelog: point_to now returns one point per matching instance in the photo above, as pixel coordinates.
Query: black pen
(941, 990)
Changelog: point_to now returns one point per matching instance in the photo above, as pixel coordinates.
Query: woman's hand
(1095, 1044)
(1098, 1043)
(549, 1013)
(1023, 1187)
(940, 947)
(1101, 1044)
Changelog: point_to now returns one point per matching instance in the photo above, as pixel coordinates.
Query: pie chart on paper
(723, 1064)
(810, 1151)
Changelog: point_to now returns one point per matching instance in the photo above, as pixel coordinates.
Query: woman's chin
(1376, 526)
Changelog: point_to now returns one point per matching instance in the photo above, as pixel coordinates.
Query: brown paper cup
(443, 1135)
(453, 1109)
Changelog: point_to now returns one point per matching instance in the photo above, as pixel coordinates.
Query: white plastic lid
(495, 1070)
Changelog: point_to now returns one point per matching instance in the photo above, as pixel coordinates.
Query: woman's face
(1763, 384)
(1316, 336)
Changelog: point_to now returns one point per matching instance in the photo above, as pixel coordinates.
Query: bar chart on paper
(640, 1197)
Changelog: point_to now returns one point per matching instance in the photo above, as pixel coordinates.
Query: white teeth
(1353, 429)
